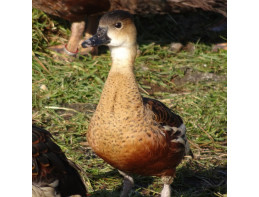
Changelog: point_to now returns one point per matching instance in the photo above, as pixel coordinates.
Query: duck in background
(77, 11)
(136, 135)
(53, 174)
(169, 6)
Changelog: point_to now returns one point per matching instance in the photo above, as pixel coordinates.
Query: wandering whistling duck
(76, 11)
(133, 134)
(52, 173)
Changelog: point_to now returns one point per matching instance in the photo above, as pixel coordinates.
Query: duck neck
(120, 92)
(123, 58)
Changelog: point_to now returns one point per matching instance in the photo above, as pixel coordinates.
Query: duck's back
(169, 6)
(72, 10)
(77, 10)
(52, 172)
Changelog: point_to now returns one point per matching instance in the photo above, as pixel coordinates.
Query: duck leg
(128, 183)
(74, 42)
(71, 48)
(167, 180)
(77, 29)
(92, 24)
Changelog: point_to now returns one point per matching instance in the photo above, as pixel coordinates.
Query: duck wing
(51, 168)
(162, 114)
(171, 124)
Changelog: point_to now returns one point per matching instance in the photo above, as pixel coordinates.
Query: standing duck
(76, 11)
(52, 173)
(136, 135)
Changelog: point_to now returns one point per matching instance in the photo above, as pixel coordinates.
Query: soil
(190, 76)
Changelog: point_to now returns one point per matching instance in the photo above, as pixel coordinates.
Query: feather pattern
(77, 10)
(163, 115)
(172, 123)
(52, 173)
(72, 10)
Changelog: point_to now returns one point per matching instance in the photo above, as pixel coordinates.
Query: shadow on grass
(191, 180)
(200, 26)
(198, 181)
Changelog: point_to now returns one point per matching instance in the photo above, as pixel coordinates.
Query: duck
(77, 11)
(169, 6)
(53, 175)
(134, 134)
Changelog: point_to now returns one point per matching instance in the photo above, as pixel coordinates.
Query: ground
(191, 82)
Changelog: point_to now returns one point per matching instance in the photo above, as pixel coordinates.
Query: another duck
(76, 11)
(131, 133)
(52, 173)
(169, 6)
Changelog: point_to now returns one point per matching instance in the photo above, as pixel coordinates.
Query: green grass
(65, 95)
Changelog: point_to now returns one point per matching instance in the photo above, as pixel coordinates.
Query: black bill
(100, 38)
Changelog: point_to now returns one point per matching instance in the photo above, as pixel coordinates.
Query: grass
(191, 83)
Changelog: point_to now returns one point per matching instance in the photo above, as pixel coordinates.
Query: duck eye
(118, 25)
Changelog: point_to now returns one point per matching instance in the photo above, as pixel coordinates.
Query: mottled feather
(163, 115)
(50, 165)
(78, 10)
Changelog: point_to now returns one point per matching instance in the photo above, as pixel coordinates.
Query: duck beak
(100, 38)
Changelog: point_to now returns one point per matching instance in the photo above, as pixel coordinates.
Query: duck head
(116, 29)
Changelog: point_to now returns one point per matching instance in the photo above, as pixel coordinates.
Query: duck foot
(86, 51)
(70, 50)
(62, 50)
(128, 184)
(59, 52)
(57, 48)
(217, 47)
(73, 46)
(167, 180)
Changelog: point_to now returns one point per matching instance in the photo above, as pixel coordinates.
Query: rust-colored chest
(133, 146)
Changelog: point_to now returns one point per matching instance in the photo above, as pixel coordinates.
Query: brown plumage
(77, 11)
(163, 115)
(133, 134)
(72, 10)
(169, 6)
(52, 173)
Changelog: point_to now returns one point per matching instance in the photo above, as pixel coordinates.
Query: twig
(143, 90)
(206, 133)
(173, 19)
(194, 144)
(62, 108)
(68, 109)
(40, 63)
(195, 156)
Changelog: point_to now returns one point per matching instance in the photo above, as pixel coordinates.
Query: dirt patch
(82, 107)
(67, 111)
(192, 76)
